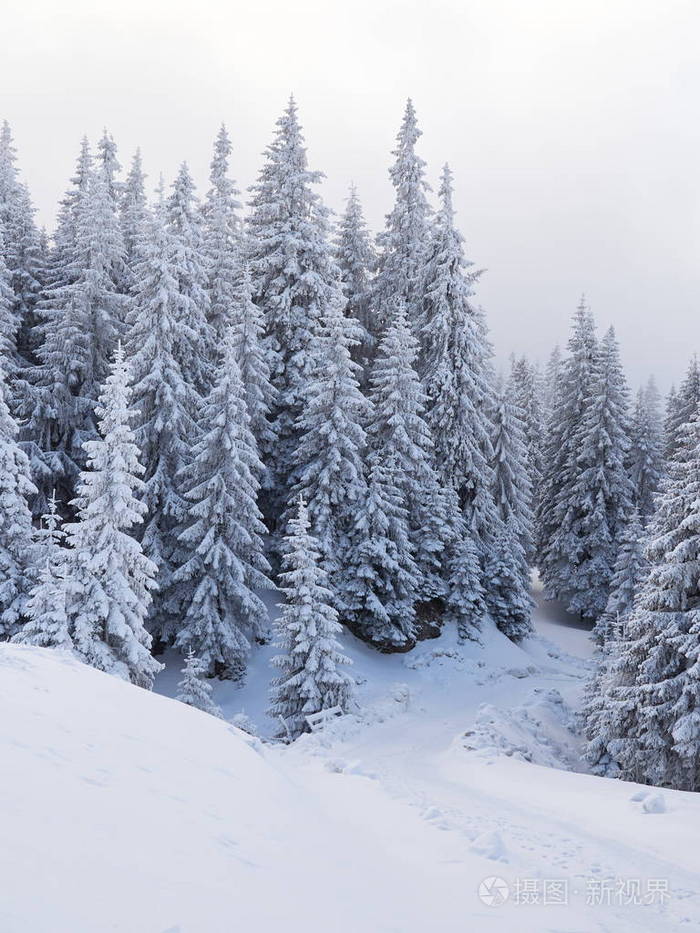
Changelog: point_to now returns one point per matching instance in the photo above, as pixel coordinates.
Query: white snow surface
(127, 811)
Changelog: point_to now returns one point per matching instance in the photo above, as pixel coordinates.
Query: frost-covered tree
(551, 386)
(630, 569)
(247, 334)
(558, 529)
(507, 596)
(47, 619)
(650, 720)
(223, 238)
(80, 321)
(528, 395)
(681, 407)
(214, 593)
(194, 345)
(355, 255)
(646, 450)
(378, 586)
(455, 373)
(21, 249)
(597, 503)
(9, 322)
(166, 405)
(16, 539)
(311, 678)
(404, 242)
(134, 217)
(194, 690)
(107, 163)
(109, 580)
(464, 601)
(400, 439)
(295, 281)
(328, 462)
(512, 491)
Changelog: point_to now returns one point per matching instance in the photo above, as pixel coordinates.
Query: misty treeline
(204, 401)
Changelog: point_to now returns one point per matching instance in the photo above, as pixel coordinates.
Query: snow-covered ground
(126, 811)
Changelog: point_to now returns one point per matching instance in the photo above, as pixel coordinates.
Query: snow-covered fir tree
(599, 500)
(214, 593)
(527, 391)
(512, 490)
(80, 320)
(455, 372)
(646, 450)
(649, 723)
(507, 596)
(21, 249)
(310, 664)
(550, 387)
(223, 236)
(247, 334)
(400, 439)
(295, 281)
(681, 407)
(558, 529)
(16, 537)
(356, 258)
(194, 690)
(378, 586)
(107, 163)
(47, 619)
(9, 322)
(166, 404)
(194, 345)
(404, 242)
(464, 601)
(109, 580)
(134, 217)
(630, 569)
(328, 467)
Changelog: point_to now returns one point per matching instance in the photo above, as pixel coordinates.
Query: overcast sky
(573, 129)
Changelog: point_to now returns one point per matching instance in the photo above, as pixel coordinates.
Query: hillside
(129, 812)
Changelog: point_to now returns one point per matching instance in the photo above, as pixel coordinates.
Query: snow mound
(540, 731)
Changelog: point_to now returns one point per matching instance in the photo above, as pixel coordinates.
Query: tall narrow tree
(356, 260)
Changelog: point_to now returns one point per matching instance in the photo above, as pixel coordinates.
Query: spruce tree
(455, 373)
(630, 569)
(311, 678)
(512, 490)
(134, 218)
(295, 281)
(378, 584)
(194, 345)
(403, 243)
(399, 438)
(223, 239)
(166, 405)
(598, 502)
(328, 461)
(558, 526)
(355, 255)
(650, 720)
(9, 322)
(16, 538)
(247, 335)
(194, 690)
(47, 625)
(81, 318)
(464, 602)
(109, 167)
(528, 395)
(214, 592)
(682, 405)
(109, 580)
(507, 597)
(646, 454)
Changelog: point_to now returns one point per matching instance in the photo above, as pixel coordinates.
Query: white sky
(571, 125)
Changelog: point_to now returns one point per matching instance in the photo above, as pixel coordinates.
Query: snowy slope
(126, 811)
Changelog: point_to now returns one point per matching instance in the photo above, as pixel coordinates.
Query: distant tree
(646, 450)
(682, 405)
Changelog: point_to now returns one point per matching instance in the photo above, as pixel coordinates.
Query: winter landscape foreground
(131, 812)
